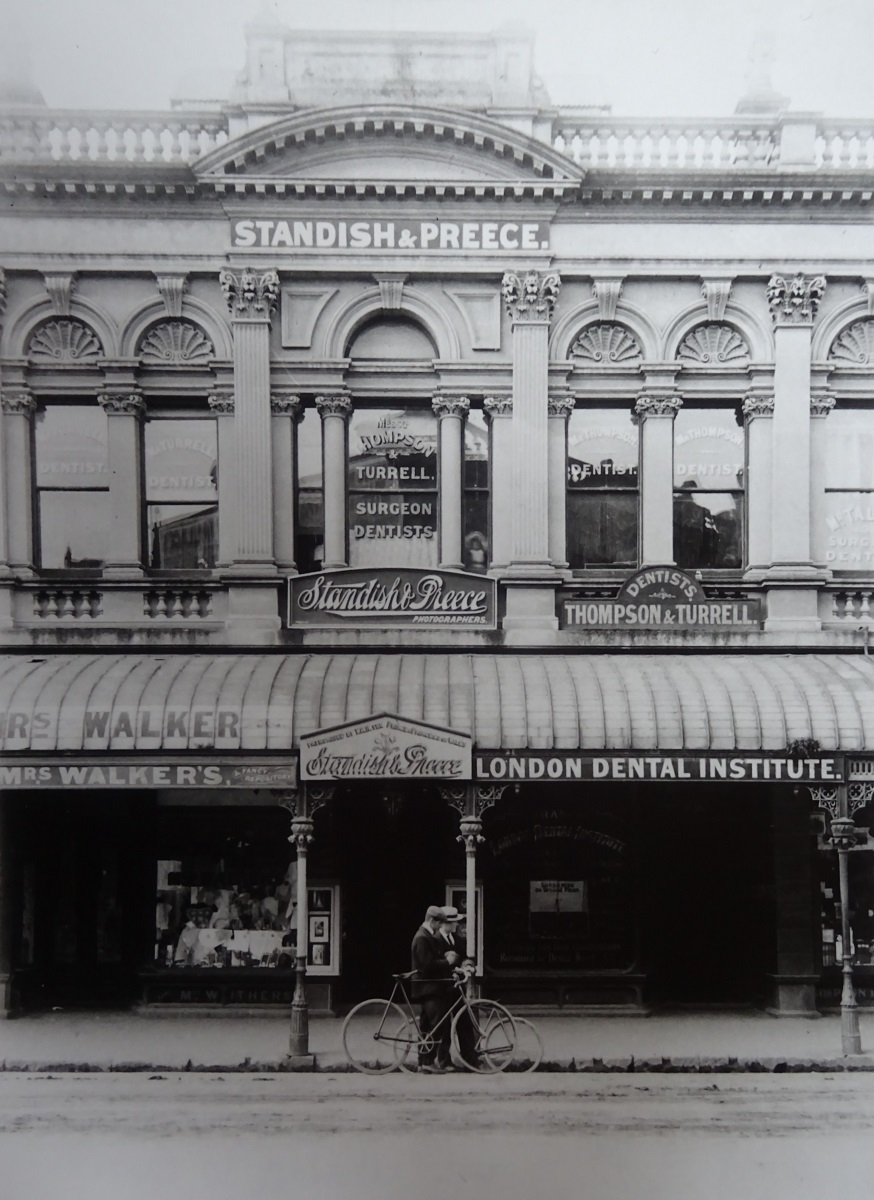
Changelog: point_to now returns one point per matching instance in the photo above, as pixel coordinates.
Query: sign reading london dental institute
(393, 597)
(661, 598)
(385, 747)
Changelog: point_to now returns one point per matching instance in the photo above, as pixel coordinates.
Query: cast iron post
(843, 837)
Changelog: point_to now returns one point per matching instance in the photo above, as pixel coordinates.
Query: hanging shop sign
(385, 747)
(661, 598)
(275, 233)
(109, 772)
(392, 597)
(712, 767)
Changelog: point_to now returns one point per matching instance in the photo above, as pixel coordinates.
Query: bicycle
(378, 1034)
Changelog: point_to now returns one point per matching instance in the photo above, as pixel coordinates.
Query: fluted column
(530, 302)
(820, 407)
(758, 411)
(287, 411)
(499, 411)
(124, 414)
(334, 411)
(656, 413)
(560, 409)
(18, 408)
(221, 403)
(452, 412)
(251, 297)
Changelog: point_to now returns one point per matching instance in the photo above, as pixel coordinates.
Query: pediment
(375, 144)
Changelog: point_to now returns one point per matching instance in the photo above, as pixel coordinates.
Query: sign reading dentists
(275, 233)
(661, 598)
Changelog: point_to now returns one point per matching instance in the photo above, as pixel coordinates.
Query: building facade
(413, 491)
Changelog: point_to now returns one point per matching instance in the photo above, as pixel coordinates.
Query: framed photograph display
(323, 929)
(456, 895)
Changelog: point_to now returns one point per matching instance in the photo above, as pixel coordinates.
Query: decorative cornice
(822, 403)
(60, 287)
(716, 293)
(172, 288)
(451, 406)
(757, 406)
(391, 289)
(221, 403)
(17, 402)
(561, 406)
(176, 344)
(250, 294)
(286, 404)
(122, 404)
(607, 293)
(336, 405)
(498, 406)
(664, 405)
(795, 301)
(531, 297)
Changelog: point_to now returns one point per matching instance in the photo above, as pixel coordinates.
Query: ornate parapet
(250, 295)
(795, 301)
(531, 297)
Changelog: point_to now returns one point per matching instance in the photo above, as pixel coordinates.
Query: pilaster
(655, 409)
(499, 411)
(287, 411)
(451, 413)
(221, 403)
(821, 404)
(560, 409)
(334, 411)
(124, 412)
(18, 407)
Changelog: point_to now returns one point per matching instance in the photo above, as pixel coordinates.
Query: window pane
(849, 521)
(73, 529)
(71, 446)
(182, 536)
(602, 449)
(476, 451)
(181, 458)
(309, 450)
(708, 449)
(708, 529)
(850, 448)
(601, 529)
(475, 551)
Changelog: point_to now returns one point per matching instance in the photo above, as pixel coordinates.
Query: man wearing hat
(455, 944)
(433, 962)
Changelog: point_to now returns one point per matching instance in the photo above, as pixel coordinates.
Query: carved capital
(221, 403)
(451, 406)
(122, 404)
(530, 297)
(822, 404)
(471, 833)
(795, 301)
(60, 287)
(250, 294)
(658, 405)
(757, 406)
(561, 406)
(716, 293)
(843, 833)
(18, 402)
(286, 404)
(172, 288)
(498, 406)
(301, 832)
(607, 293)
(334, 406)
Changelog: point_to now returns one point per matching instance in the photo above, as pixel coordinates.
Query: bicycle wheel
(494, 1035)
(377, 1037)
(529, 1046)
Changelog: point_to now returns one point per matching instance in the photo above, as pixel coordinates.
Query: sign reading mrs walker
(392, 598)
(385, 747)
(661, 598)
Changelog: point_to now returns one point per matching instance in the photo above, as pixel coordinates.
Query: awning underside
(145, 702)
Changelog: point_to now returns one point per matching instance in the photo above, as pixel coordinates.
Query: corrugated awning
(266, 702)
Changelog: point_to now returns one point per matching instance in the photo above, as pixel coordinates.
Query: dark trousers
(466, 1039)
(433, 1009)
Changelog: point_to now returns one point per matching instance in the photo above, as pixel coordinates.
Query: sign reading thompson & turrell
(276, 233)
(386, 747)
(392, 597)
(732, 767)
(661, 598)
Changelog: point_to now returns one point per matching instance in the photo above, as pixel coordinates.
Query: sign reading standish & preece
(387, 236)
(385, 747)
(661, 598)
(392, 597)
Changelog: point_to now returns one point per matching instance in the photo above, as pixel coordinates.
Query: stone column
(758, 411)
(124, 551)
(287, 411)
(560, 409)
(251, 297)
(499, 410)
(791, 604)
(18, 408)
(334, 411)
(221, 403)
(451, 412)
(656, 412)
(820, 407)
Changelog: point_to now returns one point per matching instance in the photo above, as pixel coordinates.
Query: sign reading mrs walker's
(661, 598)
(392, 597)
(385, 747)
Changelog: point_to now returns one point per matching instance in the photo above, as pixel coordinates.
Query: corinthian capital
(795, 301)
(822, 404)
(665, 405)
(757, 406)
(498, 406)
(221, 402)
(334, 406)
(249, 293)
(286, 404)
(18, 401)
(122, 404)
(530, 297)
(451, 406)
(561, 406)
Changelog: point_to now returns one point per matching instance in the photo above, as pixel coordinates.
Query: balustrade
(67, 603)
(177, 603)
(139, 137)
(631, 144)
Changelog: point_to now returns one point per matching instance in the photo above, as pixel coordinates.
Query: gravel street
(208, 1137)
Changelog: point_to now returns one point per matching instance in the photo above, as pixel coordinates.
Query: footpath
(694, 1042)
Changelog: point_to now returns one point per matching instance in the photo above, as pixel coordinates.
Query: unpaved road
(349, 1137)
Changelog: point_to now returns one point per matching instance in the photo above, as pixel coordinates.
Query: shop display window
(72, 486)
(708, 488)
(602, 482)
(181, 482)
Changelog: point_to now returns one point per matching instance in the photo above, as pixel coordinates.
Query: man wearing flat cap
(432, 986)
